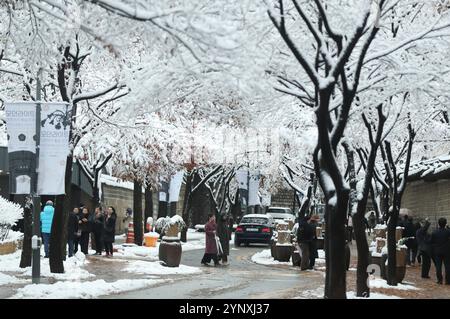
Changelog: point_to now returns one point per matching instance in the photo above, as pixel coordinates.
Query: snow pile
(264, 258)
(380, 283)
(12, 236)
(156, 268)
(9, 212)
(135, 251)
(10, 262)
(85, 290)
(312, 294)
(380, 226)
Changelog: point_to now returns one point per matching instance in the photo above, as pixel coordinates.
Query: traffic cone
(130, 234)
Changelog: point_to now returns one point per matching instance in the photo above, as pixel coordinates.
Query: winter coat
(86, 226)
(423, 239)
(47, 219)
(210, 233)
(223, 233)
(99, 225)
(440, 242)
(110, 228)
(305, 232)
(72, 226)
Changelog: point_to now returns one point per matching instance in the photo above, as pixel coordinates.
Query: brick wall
(428, 199)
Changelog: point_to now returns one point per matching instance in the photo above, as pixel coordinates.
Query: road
(242, 278)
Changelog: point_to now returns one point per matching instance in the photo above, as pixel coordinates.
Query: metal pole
(36, 265)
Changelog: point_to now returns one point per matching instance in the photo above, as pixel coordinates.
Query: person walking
(72, 230)
(440, 245)
(46, 225)
(424, 249)
(85, 225)
(313, 253)
(110, 230)
(99, 228)
(410, 233)
(211, 245)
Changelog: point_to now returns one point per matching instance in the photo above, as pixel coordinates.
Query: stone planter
(284, 252)
(400, 267)
(8, 247)
(170, 253)
(170, 248)
(380, 261)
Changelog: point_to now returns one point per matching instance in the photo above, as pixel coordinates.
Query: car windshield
(278, 211)
(254, 220)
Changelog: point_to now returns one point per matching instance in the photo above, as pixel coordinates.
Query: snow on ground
(11, 262)
(373, 295)
(381, 283)
(87, 289)
(311, 294)
(264, 258)
(156, 268)
(7, 279)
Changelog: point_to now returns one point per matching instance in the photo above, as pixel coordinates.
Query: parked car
(254, 228)
(281, 213)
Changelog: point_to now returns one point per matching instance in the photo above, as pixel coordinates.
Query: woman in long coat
(211, 245)
(110, 230)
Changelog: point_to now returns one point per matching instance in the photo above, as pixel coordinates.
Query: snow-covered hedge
(10, 212)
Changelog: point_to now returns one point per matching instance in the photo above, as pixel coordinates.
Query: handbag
(219, 247)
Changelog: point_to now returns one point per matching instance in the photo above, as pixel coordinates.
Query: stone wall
(284, 198)
(428, 199)
(121, 199)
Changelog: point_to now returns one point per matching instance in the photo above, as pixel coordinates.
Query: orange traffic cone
(130, 234)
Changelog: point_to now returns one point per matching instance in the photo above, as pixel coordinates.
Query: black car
(254, 228)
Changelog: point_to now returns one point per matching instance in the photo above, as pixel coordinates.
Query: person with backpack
(46, 225)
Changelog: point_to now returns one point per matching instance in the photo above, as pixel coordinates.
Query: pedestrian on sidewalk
(99, 228)
(210, 239)
(440, 245)
(72, 230)
(305, 236)
(77, 240)
(46, 225)
(424, 249)
(110, 230)
(85, 225)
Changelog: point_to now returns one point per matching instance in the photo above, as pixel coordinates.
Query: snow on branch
(9, 212)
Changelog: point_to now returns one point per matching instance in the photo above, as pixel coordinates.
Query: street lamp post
(36, 242)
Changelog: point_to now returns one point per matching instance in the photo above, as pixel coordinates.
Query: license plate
(252, 229)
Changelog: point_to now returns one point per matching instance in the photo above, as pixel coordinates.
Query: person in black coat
(305, 236)
(110, 230)
(423, 242)
(77, 240)
(99, 229)
(440, 245)
(85, 225)
(72, 230)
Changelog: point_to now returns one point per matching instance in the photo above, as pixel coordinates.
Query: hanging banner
(163, 191)
(242, 178)
(253, 192)
(56, 119)
(175, 186)
(21, 128)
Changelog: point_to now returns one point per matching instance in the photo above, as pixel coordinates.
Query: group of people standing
(101, 224)
(435, 247)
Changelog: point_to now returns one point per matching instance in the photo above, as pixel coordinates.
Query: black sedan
(254, 228)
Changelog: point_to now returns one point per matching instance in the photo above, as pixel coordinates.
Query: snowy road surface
(242, 278)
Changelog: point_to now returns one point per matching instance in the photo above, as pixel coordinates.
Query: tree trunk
(172, 209)
(392, 248)
(148, 209)
(336, 265)
(95, 190)
(25, 259)
(359, 228)
(58, 237)
(186, 206)
(137, 213)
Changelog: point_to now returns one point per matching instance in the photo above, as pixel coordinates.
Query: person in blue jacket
(46, 224)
